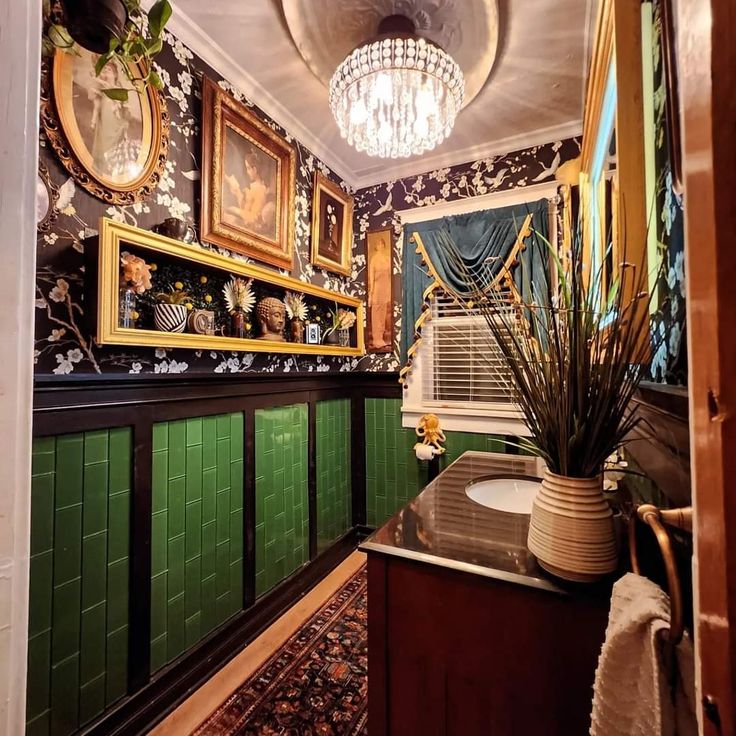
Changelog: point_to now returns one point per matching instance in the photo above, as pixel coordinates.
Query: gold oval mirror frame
(115, 150)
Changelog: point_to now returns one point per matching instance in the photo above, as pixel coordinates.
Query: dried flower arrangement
(345, 319)
(175, 296)
(295, 306)
(136, 272)
(239, 295)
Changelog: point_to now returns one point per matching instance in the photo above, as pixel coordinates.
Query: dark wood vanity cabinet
(467, 635)
(457, 654)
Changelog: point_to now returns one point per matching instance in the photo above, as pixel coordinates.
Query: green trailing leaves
(60, 38)
(158, 17)
(154, 80)
(134, 50)
(117, 93)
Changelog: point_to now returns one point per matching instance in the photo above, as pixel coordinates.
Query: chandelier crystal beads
(396, 96)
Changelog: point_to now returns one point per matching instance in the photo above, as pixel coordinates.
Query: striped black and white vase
(170, 317)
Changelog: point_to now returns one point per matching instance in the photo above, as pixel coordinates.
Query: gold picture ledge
(113, 235)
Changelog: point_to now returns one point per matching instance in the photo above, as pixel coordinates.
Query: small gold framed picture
(332, 226)
(379, 250)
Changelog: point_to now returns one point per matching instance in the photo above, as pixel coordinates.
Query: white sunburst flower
(239, 294)
(295, 306)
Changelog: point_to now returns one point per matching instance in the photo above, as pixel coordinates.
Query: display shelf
(115, 237)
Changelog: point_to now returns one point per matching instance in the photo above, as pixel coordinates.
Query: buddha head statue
(271, 316)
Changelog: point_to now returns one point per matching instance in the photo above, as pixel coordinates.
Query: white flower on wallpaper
(59, 292)
(675, 338)
(163, 73)
(185, 80)
(178, 95)
(170, 366)
(66, 194)
(68, 361)
(181, 53)
(659, 359)
(175, 206)
(166, 183)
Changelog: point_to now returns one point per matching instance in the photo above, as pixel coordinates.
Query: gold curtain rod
(655, 518)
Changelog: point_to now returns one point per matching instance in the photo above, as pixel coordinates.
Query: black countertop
(443, 527)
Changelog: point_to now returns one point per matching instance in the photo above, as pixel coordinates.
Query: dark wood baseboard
(140, 712)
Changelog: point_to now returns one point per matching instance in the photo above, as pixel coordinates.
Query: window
(457, 372)
(460, 374)
(464, 364)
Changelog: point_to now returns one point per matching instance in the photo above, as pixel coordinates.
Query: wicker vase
(571, 529)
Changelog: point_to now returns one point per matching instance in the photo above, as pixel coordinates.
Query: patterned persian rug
(314, 685)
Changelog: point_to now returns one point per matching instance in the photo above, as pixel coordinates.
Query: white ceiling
(534, 93)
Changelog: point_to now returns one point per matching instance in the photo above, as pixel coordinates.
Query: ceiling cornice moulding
(380, 174)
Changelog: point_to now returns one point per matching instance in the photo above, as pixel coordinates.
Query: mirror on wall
(613, 187)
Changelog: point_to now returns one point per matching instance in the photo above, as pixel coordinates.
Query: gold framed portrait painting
(248, 181)
(332, 226)
(379, 326)
(115, 149)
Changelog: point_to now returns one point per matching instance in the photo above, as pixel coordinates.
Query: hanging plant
(120, 31)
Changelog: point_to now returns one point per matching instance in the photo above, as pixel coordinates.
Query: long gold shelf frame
(112, 234)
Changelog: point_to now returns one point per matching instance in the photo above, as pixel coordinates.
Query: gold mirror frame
(57, 120)
(617, 50)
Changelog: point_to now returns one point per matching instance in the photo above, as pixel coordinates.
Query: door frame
(707, 67)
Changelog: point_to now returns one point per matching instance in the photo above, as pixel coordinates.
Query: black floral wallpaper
(64, 342)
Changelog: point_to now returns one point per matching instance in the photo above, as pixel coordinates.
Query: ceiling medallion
(398, 94)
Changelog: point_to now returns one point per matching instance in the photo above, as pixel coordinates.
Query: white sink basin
(513, 495)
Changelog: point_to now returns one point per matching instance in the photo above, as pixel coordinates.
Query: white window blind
(462, 363)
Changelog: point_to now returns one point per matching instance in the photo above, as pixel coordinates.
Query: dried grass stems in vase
(575, 345)
(296, 311)
(240, 300)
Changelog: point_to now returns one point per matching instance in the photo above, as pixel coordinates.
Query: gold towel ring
(654, 517)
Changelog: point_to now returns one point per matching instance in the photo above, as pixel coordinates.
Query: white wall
(20, 42)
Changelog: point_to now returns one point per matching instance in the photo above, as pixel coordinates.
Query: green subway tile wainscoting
(461, 442)
(165, 537)
(394, 476)
(78, 619)
(197, 531)
(282, 503)
(333, 446)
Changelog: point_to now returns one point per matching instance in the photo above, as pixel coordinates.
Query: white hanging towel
(633, 693)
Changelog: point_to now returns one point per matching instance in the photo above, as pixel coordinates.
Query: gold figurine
(431, 433)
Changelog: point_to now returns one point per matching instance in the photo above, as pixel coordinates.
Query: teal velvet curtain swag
(483, 241)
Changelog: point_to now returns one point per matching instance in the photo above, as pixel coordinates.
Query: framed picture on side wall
(332, 226)
(380, 290)
(248, 181)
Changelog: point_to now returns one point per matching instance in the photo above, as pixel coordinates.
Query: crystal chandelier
(398, 94)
